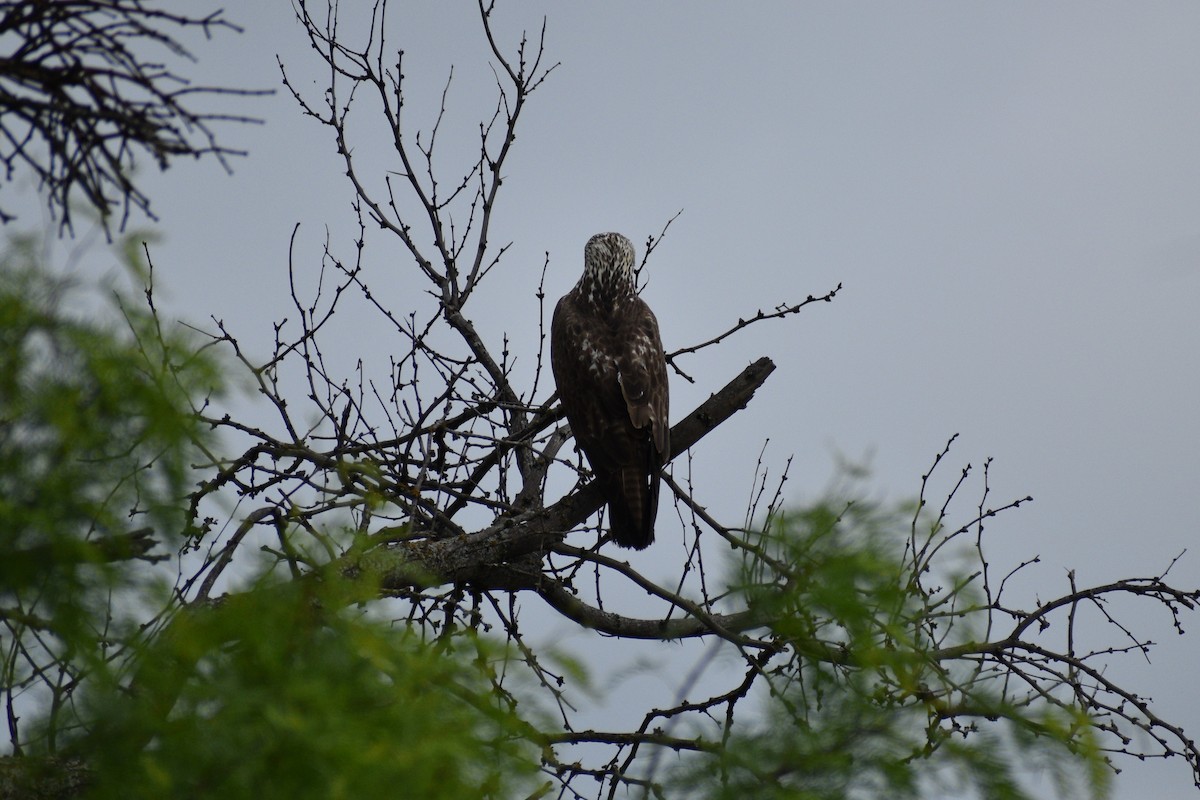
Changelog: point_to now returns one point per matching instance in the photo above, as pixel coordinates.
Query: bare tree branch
(81, 98)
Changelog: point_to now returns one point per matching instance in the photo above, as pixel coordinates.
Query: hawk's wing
(642, 375)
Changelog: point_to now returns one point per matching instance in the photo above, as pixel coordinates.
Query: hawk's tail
(633, 506)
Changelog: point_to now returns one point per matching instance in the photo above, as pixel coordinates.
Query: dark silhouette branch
(81, 99)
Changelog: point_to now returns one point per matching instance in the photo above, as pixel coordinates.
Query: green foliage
(865, 706)
(281, 696)
(277, 691)
(96, 438)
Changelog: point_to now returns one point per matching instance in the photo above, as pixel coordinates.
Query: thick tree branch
(574, 609)
(469, 559)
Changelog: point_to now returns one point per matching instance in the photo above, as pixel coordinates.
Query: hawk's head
(607, 269)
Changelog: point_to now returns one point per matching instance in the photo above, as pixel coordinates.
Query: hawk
(611, 373)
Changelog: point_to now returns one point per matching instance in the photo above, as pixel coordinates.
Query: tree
(82, 99)
(362, 570)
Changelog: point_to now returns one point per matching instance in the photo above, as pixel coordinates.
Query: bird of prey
(611, 373)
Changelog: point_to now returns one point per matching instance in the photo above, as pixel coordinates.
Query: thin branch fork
(780, 311)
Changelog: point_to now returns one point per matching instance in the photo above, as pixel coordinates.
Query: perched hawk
(612, 377)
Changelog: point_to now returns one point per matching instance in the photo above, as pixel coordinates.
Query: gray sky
(1009, 193)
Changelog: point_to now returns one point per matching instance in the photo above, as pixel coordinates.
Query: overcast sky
(1008, 192)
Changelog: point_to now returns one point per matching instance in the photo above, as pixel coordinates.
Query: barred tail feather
(632, 507)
